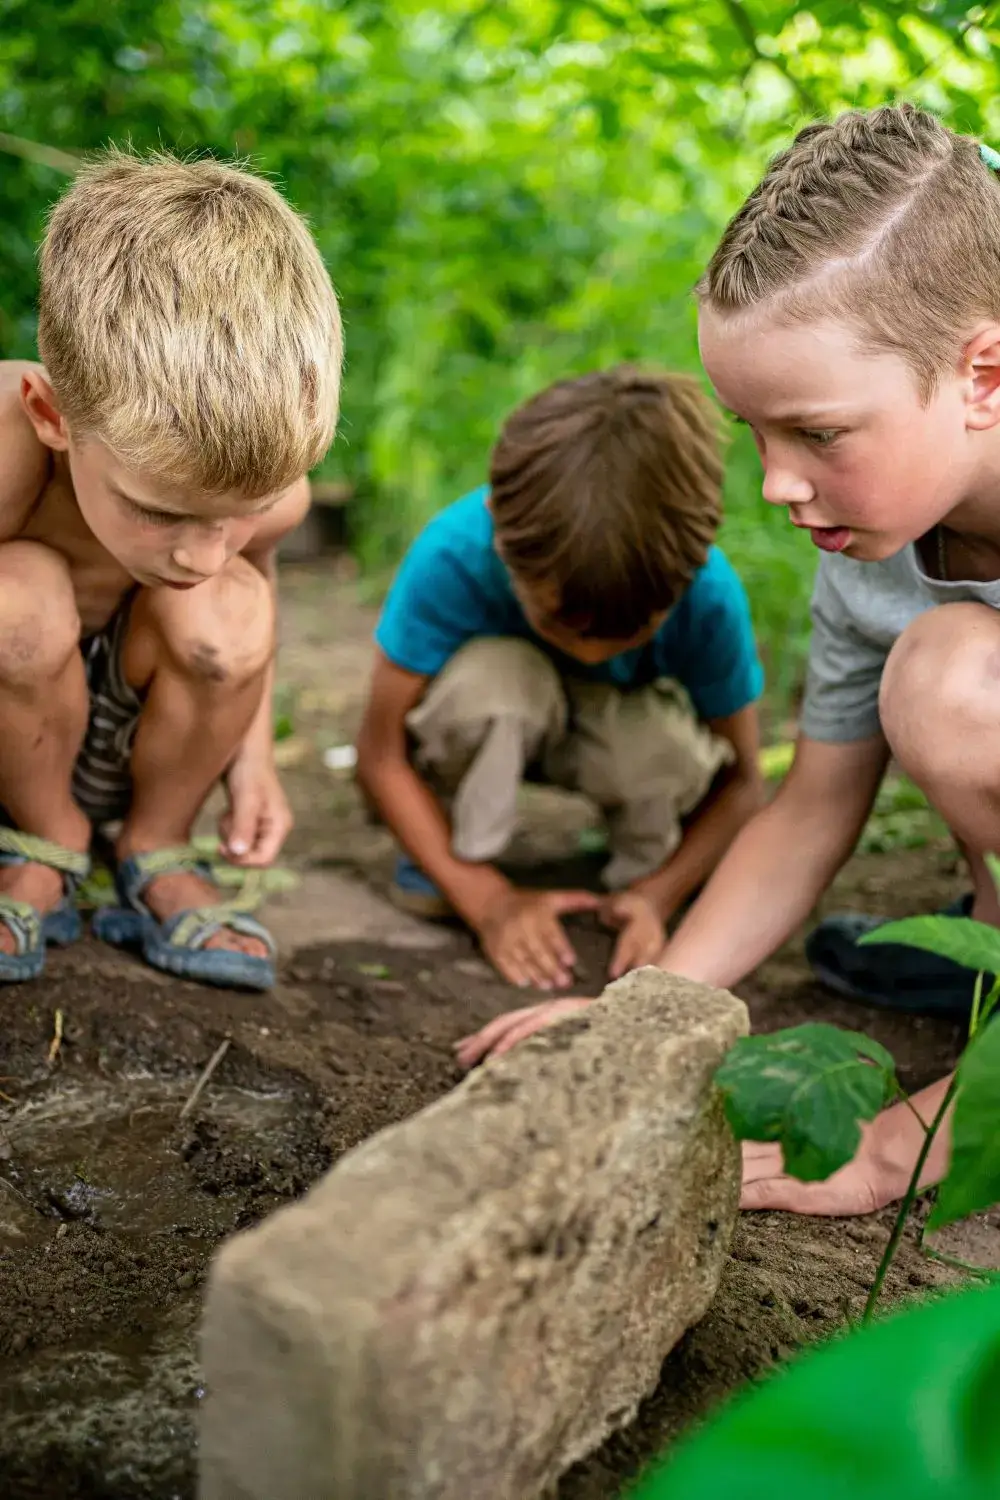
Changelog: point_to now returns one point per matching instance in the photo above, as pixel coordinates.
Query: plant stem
(907, 1203)
(989, 1004)
(977, 996)
(984, 1273)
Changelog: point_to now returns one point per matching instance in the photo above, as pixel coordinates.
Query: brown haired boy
(192, 350)
(572, 623)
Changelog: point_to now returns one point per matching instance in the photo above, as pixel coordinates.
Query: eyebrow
(260, 507)
(824, 416)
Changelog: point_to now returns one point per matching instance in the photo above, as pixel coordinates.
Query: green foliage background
(504, 193)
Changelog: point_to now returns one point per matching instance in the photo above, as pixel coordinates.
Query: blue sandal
(177, 946)
(31, 929)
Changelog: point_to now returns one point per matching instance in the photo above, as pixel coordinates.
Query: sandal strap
(23, 923)
(27, 848)
(140, 869)
(194, 928)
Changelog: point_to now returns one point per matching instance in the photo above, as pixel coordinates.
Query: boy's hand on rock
(515, 1026)
(258, 818)
(642, 933)
(524, 938)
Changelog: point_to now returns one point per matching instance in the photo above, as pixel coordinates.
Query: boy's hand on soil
(642, 933)
(515, 1026)
(525, 940)
(258, 819)
(861, 1187)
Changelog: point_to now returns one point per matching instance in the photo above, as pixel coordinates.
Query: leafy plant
(904, 1410)
(810, 1087)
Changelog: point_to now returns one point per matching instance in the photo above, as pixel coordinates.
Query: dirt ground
(112, 1200)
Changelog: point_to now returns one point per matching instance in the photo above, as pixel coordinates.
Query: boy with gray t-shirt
(859, 611)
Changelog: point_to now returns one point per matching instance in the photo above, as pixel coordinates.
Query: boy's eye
(822, 437)
(151, 517)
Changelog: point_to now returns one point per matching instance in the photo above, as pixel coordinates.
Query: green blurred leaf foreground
(903, 1410)
(810, 1087)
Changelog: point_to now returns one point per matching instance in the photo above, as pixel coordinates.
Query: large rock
(472, 1300)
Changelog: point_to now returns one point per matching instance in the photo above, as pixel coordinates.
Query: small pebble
(185, 1281)
(108, 1268)
(62, 1231)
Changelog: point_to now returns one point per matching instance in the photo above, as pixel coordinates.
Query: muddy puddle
(111, 1204)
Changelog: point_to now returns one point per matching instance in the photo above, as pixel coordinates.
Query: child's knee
(223, 630)
(491, 678)
(940, 694)
(39, 620)
(504, 675)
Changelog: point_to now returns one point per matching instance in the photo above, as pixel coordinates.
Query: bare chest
(99, 582)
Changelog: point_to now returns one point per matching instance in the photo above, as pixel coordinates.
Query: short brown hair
(884, 218)
(188, 322)
(608, 488)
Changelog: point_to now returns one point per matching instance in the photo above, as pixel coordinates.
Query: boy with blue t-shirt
(572, 623)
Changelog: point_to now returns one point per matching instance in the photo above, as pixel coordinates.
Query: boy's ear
(39, 402)
(982, 364)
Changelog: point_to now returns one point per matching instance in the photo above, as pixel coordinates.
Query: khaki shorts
(499, 713)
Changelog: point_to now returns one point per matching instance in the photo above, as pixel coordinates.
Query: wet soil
(112, 1198)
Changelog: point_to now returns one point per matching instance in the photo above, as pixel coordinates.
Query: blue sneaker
(413, 892)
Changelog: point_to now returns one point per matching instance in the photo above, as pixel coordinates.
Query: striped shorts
(102, 778)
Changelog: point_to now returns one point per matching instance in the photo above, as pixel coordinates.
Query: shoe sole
(429, 908)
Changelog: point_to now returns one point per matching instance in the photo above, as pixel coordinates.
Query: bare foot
(169, 894)
(41, 887)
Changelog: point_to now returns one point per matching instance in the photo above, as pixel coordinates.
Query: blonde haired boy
(192, 346)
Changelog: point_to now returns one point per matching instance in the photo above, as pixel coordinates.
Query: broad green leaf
(807, 1087)
(973, 1180)
(905, 1409)
(974, 945)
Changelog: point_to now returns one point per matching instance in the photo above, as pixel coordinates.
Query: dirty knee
(223, 630)
(939, 699)
(39, 620)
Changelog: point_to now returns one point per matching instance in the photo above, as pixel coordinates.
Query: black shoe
(892, 975)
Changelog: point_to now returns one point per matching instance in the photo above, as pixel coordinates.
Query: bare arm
(262, 553)
(405, 801)
(24, 459)
(258, 817)
(780, 863)
(736, 796)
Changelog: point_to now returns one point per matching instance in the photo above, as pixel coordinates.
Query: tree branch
(742, 22)
(42, 156)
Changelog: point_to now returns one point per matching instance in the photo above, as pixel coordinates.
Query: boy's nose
(783, 487)
(204, 555)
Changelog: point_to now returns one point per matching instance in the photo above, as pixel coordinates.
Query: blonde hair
(187, 321)
(883, 218)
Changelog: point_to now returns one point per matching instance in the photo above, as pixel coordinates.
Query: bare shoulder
(25, 465)
(282, 518)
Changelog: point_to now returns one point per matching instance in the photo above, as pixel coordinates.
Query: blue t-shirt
(452, 587)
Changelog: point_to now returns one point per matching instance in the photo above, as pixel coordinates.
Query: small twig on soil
(57, 1037)
(200, 1086)
(7, 1097)
(16, 1191)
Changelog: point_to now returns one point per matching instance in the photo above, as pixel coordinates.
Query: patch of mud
(111, 1205)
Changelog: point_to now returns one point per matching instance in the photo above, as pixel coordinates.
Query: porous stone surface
(472, 1300)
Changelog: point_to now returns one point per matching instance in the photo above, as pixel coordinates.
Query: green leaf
(974, 945)
(374, 971)
(807, 1087)
(973, 1180)
(905, 1409)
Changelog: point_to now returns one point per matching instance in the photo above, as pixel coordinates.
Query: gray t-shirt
(859, 609)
